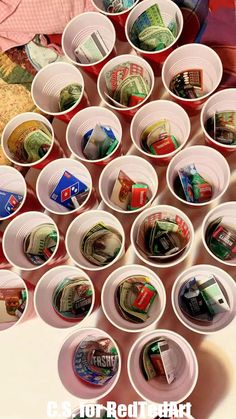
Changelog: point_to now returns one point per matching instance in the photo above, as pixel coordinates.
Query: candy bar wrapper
(92, 49)
(167, 361)
(157, 360)
(195, 187)
(221, 239)
(121, 193)
(68, 187)
(11, 300)
(165, 146)
(225, 127)
(139, 196)
(9, 202)
(212, 295)
(192, 303)
(188, 84)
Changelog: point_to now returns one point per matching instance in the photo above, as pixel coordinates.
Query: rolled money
(29, 142)
(69, 96)
(40, 243)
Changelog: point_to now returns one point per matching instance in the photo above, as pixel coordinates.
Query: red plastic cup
(86, 120)
(220, 101)
(193, 56)
(4, 263)
(14, 123)
(82, 26)
(153, 112)
(126, 112)
(118, 19)
(169, 11)
(49, 82)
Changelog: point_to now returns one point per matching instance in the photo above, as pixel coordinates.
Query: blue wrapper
(88, 134)
(9, 202)
(67, 187)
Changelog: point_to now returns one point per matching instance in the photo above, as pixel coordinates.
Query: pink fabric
(20, 20)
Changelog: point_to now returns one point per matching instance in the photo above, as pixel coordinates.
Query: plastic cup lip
(76, 63)
(16, 172)
(157, 279)
(142, 51)
(204, 226)
(139, 160)
(178, 259)
(91, 109)
(71, 324)
(217, 143)
(202, 204)
(161, 156)
(173, 291)
(32, 213)
(200, 46)
(129, 58)
(66, 160)
(58, 64)
(37, 117)
(7, 271)
(114, 14)
(170, 334)
(121, 232)
(91, 330)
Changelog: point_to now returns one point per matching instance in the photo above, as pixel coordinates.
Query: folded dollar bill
(69, 95)
(156, 360)
(40, 243)
(157, 139)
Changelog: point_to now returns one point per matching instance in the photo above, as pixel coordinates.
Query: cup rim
(103, 159)
(104, 332)
(204, 226)
(182, 318)
(142, 51)
(223, 146)
(115, 208)
(202, 204)
(168, 333)
(2, 271)
(76, 63)
(95, 267)
(157, 280)
(43, 120)
(68, 212)
(24, 193)
(129, 58)
(32, 213)
(71, 324)
(178, 259)
(114, 14)
(67, 111)
(161, 156)
(199, 99)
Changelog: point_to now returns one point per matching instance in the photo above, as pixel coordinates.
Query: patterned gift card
(67, 187)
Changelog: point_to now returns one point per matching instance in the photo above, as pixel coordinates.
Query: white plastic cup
(12, 181)
(14, 123)
(127, 112)
(80, 28)
(79, 226)
(169, 12)
(210, 164)
(50, 176)
(44, 294)
(221, 101)
(15, 233)
(185, 364)
(193, 56)
(153, 112)
(49, 82)
(87, 119)
(71, 382)
(108, 298)
(227, 285)
(228, 212)
(9, 279)
(138, 169)
(183, 220)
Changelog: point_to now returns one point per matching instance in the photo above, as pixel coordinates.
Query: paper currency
(221, 239)
(117, 6)
(99, 142)
(12, 304)
(29, 141)
(69, 96)
(188, 84)
(95, 360)
(40, 243)
(101, 244)
(157, 139)
(194, 187)
(156, 360)
(92, 49)
(127, 194)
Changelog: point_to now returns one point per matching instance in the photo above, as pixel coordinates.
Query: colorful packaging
(68, 187)
(9, 202)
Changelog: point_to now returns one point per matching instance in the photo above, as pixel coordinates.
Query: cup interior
(138, 169)
(12, 181)
(185, 364)
(228, 288)
(74, 385)
(16, 232)
(50, 176)
(109, 292)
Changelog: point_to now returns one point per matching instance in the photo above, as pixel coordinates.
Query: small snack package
(156, 360)
(221, 239)
(127, 194)
(9, 202)
(188, 84)
(157, 138)
(69, 192)
(196, 189)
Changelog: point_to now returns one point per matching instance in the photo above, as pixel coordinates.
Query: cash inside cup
(40, 243)
(222, 127)
(157, 138)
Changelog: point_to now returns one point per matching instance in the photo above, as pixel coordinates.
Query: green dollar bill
(36, 144)
(150, 17)
(129, 86)
(155, 38)
(69, 96)
(40, 238)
